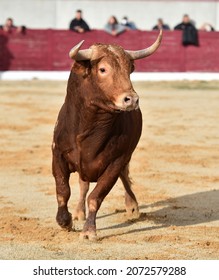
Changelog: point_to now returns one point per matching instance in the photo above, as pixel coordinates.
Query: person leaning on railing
(9, 27)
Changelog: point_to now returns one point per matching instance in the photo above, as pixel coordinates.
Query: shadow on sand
(185, 210)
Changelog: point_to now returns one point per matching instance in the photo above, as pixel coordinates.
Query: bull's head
(110, 68)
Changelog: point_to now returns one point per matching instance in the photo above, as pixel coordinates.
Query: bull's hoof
(64, 219)
(79, 215)
(91, 236)
(133, 212)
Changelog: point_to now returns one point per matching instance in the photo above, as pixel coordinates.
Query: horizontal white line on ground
(138, 76)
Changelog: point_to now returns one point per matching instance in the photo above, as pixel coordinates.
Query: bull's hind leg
(80, 211)
(131, 203)
(61, 174)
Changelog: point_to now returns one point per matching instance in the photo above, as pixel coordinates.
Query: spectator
(9, 27)
(129, 25)
(190, 34)
(207, 27)
(78, 24)
(113, 27)
(161, 25)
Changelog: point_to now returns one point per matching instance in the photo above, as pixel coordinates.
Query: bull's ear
(132, 67)
(82, 68)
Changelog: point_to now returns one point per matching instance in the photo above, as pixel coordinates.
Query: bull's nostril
(128, 99)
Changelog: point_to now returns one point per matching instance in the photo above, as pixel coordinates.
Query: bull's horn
(148, 51)
(77, 54)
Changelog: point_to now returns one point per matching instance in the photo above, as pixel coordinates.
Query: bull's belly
(92, 170)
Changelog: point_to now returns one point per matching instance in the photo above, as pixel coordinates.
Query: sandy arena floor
(175, 171)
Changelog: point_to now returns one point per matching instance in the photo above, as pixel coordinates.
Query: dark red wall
(48, 50)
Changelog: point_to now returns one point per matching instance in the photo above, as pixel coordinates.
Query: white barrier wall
(58, 13)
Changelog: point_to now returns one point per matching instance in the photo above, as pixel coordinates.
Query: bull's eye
(102, 70)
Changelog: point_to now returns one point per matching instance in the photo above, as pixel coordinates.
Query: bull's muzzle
(127, 102)
(131, 102)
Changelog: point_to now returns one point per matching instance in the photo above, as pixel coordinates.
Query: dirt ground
(175, 170)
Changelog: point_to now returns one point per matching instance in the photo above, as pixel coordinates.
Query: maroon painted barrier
(48, 50)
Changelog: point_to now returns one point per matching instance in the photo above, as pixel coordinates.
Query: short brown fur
(97, 130)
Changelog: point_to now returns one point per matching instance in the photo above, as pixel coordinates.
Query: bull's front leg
(94, 201)
(61, 174)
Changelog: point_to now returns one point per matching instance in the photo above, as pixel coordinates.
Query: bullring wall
(48, 50)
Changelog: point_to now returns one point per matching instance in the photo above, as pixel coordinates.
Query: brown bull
(97, 130)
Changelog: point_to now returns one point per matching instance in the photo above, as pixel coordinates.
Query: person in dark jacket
(190, 33)
(161, 25)
(78, 24)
